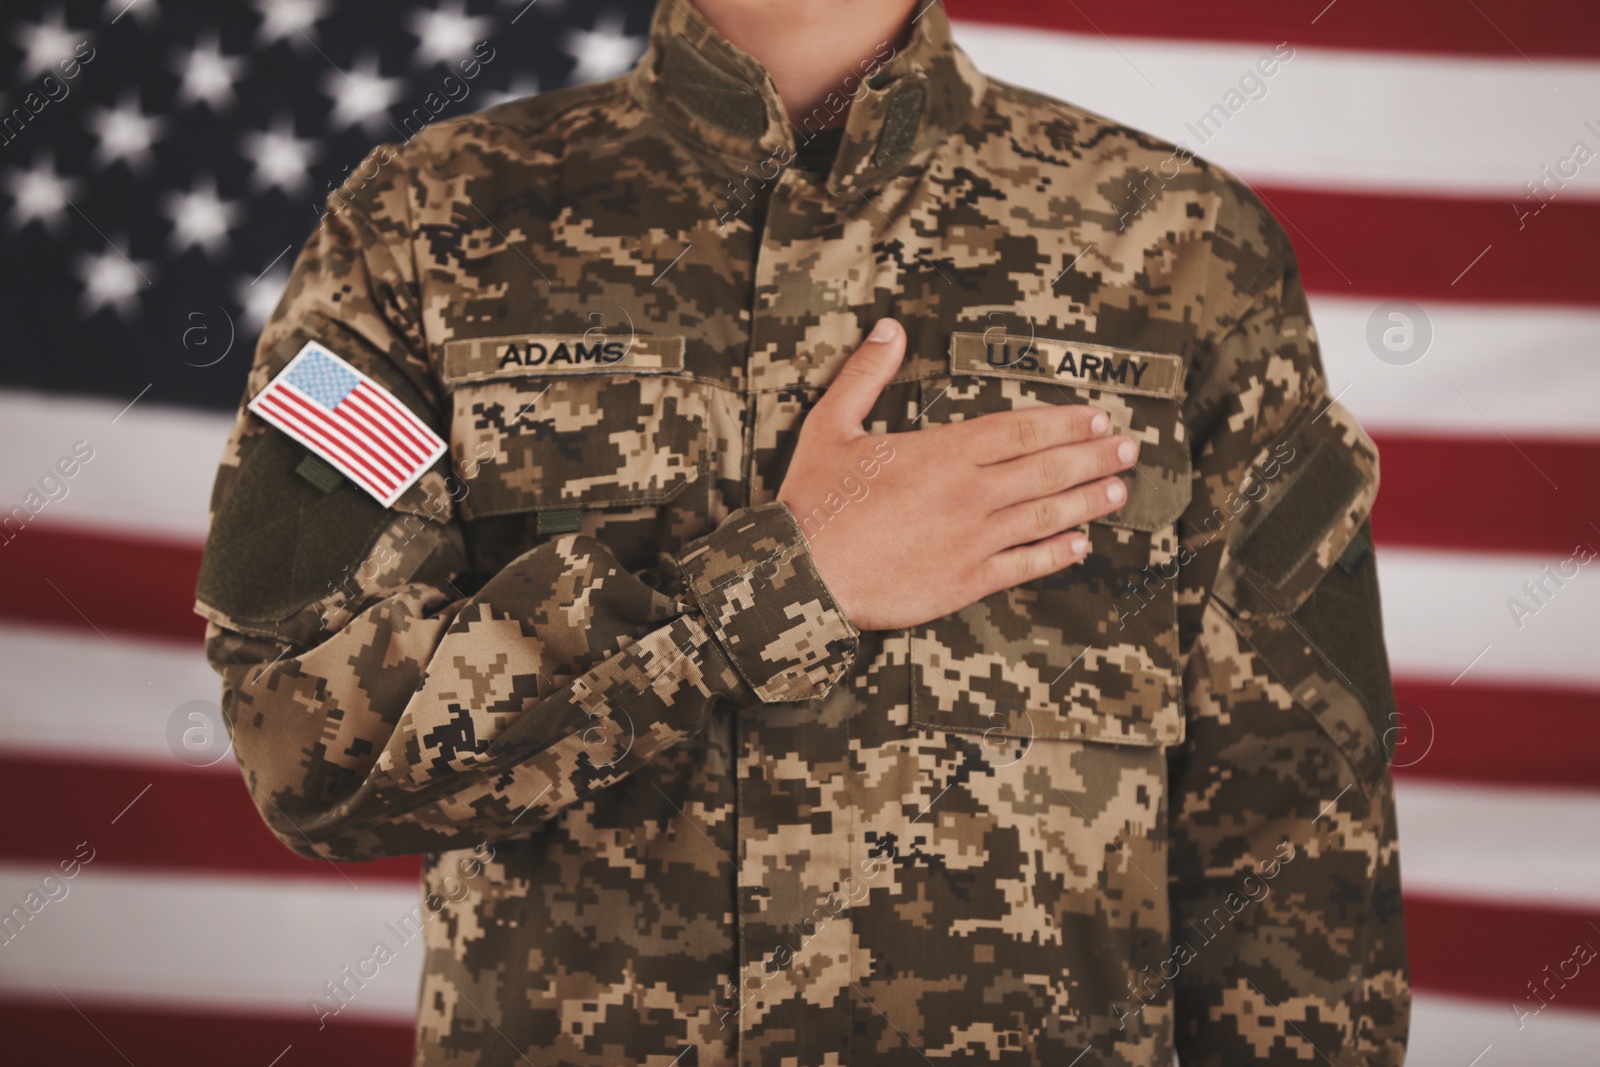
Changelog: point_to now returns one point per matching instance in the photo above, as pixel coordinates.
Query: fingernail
(882, 331)
(1116, 492)
(1100, 422)
(1078, 545)
(1127, 451)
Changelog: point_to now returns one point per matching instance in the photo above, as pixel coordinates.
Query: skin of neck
(811, 48)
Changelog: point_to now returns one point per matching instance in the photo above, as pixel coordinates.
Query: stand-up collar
(710, 92)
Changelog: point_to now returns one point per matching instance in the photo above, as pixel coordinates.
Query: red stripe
(395, 414)
(1491, 952)
(119, 582)
(319, 424)
(400, 416)
(1505, 28)
(193, 820)
(1543, 495)
(406, 416)
(356, 407)
(1435, 247)
(399, 412)
(53, 1032)
(357, 438)
(1498, 734)
(271, 400)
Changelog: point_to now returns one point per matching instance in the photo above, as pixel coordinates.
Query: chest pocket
(556, 424)
(1089, 653)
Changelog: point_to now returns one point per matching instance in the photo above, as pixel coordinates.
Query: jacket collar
(713, 94)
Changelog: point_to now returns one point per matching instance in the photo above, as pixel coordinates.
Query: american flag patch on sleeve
(349, 420)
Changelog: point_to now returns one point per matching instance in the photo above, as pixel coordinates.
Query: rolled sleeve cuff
(758, 588)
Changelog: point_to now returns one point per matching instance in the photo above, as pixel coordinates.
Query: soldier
(1007, 687)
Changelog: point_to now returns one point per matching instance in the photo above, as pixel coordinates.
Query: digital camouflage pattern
(675, 808)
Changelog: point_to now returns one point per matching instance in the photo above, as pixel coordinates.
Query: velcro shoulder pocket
(1314, 490)
(289, 530)
(283, 531)
(1300, 581)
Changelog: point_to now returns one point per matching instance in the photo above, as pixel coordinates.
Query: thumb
(850, 398)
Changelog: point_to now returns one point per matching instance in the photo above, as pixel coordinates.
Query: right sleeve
(375, 708)
(1284, 876)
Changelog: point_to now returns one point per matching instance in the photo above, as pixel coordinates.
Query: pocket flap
(552, 422)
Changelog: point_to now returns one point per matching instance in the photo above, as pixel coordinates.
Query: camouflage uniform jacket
(674, 807)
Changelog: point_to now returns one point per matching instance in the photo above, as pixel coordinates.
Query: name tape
(519, 355)
(1117, 370)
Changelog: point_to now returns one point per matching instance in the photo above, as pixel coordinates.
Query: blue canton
(321, 378)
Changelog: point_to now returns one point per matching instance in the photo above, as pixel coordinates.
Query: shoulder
(557, 115)
(1135, 186)
(530, 127)
(527, 134)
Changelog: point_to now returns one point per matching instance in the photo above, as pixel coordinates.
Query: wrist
(764, 599)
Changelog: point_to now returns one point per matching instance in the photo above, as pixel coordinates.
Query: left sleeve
(1284, 879)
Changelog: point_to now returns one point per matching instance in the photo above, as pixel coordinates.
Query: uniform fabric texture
(675, 807)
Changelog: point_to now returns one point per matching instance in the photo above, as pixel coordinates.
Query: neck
(815, 51)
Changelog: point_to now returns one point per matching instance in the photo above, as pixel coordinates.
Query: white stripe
(1496, 844)
(373, 447)
(1445, 613)
(402, 414)
(1453, 1032)
(151, 473)
(383, 434)
(396, 416)
(1518, 371)
(1384, 122)
(69, 695)
(188, 941)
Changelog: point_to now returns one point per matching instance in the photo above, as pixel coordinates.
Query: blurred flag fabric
(1437, 165)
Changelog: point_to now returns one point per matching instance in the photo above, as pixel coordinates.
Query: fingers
(1005, 435)
(1026, 563)
(849, 399)
(1034, 520)
(1054, 470)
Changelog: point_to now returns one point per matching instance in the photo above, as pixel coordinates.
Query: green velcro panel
(278, 542)
(319, 472)
(1356, 552)
(564, 520)
(1302, 516)
(1344, 622)
(718, 97)
(899, 131)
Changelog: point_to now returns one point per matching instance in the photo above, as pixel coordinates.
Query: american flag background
(1437, 164)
